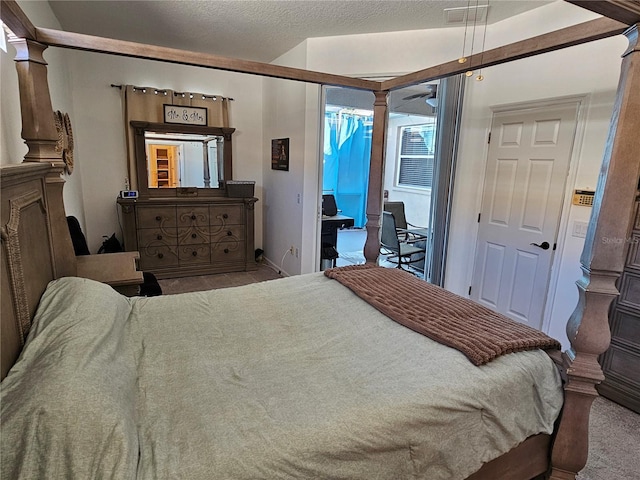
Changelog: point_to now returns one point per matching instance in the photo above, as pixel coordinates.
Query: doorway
(420, 156)
(528, 161)
(162, 166)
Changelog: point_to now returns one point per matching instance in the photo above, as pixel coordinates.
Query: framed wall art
(280, 154)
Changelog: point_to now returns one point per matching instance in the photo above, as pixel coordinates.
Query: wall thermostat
(128, 194)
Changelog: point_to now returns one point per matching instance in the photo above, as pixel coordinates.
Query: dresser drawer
(625, 327)
(196, 215)
(636, 224)
(156, 237)
(227, 234)
(194, 254)
(150, 217)
(193, 235)
(622, 364)
(221, 215)
(630, 290)
(186, 235)
(158, 257)
(227, 251)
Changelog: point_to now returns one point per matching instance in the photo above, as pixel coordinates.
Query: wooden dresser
(179, 237)
(621, 363)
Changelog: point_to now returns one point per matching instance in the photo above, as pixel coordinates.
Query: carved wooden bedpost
(376, 176)
(602, 263)
(40, 134)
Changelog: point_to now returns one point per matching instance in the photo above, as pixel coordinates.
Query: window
(416, 155)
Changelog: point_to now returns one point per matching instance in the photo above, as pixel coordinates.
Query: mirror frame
(140, 128)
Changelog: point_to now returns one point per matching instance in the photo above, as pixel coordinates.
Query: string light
(469, 72)
(463, 59)
(480, 77)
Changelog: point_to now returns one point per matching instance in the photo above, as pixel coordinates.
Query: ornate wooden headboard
(27, 263)
(37, 248)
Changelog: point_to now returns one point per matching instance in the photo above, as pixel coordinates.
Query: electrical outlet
(296, 253)
(292, 249)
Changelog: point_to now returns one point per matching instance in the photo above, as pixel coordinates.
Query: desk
(329, 233)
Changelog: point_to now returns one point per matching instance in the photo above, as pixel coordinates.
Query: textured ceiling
(260, 30)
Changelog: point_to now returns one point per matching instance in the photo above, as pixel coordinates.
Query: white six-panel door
(527, 167)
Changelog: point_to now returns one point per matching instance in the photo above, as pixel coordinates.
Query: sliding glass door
(419, 167)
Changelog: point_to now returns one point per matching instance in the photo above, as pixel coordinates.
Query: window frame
(427, 157)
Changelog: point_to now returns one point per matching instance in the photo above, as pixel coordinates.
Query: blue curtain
(347, 152)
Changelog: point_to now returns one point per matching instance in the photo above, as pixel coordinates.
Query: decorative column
(376, 176)
(602, 263)
(38, 124)
(41, 136)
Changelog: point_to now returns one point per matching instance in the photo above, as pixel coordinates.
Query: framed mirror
(182, 160)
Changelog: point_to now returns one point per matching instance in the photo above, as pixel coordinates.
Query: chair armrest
(115, 269)
(414, 226)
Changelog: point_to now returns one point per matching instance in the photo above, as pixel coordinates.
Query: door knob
(543, 245)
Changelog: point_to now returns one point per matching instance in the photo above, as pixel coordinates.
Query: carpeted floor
(209, 282)
(614, 444)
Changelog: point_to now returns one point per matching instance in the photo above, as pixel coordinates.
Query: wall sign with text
(185, 115)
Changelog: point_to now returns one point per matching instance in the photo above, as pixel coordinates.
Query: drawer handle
(229, 233)
(194, 253)
(226, 250)
(160, 255)
(225, 216)
(193, 217)
(193, 235)
(158, 218)
(159, 237)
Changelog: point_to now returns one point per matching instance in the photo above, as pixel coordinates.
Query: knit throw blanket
(478, 332)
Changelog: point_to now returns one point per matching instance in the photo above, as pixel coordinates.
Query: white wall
(591, 70)
(291, 110)
(99, 126)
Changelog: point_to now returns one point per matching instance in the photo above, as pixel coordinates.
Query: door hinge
(489, 138)
(469, 289)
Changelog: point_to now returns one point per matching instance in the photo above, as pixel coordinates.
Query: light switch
(580, 229)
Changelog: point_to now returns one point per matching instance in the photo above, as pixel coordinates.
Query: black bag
(110, 245)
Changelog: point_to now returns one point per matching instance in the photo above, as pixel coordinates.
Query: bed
(324, 429)
(211, 385)
(270, 380)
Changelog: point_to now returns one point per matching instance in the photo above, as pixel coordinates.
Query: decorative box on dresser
(179, 237)
(621, 362)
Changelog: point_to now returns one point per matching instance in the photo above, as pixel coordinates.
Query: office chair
(405, 253)
(149, 287)
(329, 206)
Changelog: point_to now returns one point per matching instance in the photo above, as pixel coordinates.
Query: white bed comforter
(288, 379)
